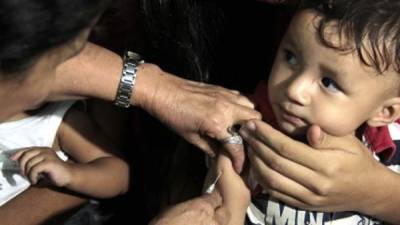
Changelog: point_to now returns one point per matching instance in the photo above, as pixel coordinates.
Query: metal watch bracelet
(131, 61)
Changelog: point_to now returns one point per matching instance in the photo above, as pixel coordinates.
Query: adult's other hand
(201, 113)
(340, 175)
(204, 210)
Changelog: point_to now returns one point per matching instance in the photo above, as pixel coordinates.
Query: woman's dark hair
(182, 34)
(30, 27)
(372, 26)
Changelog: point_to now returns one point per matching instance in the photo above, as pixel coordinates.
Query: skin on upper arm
(82, 138)
(98, 172)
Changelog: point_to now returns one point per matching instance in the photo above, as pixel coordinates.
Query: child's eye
(330, 84)
(290, 57)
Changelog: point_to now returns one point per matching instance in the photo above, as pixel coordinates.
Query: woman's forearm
(191, 109)
(96, 72)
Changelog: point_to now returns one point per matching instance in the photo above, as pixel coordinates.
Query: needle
(211, 188)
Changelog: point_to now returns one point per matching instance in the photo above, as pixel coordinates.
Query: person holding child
(336, 72)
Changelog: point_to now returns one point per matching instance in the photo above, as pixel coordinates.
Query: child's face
(313, 84)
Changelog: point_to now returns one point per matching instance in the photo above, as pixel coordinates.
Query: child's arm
(96, 173)
(233, 190)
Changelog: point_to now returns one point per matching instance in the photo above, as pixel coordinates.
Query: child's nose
(298, 90)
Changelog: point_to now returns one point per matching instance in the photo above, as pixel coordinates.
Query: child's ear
(387, 113)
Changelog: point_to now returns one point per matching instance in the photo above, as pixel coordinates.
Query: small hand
(37, 161)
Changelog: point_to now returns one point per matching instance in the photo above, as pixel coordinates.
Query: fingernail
(238, 168)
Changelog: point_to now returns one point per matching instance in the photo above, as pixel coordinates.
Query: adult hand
(340, 175)
(198, 112)
(204, 210)
(201, 113)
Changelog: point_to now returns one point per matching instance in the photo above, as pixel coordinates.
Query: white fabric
(38, 130)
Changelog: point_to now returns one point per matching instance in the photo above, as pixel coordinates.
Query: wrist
(73, 176)
(131, 61)
(148, 78)
(383, 196)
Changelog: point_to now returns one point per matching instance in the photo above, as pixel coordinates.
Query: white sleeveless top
(38, 130)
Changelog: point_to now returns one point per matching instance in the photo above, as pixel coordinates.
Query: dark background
(164, 168)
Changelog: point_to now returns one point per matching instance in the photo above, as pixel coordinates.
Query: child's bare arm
(233, 190)
(98, 172)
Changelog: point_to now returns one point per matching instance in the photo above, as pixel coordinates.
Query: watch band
(131, 61)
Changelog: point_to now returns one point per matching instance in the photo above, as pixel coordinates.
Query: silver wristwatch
(131, 61)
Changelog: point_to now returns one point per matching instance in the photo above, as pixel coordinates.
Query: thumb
(222, 216)
(316, 137)
(319, 139)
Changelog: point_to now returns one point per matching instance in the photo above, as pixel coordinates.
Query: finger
(275, 141)
(241, 114)
(316, 203)
(206, 144)
(244, 101)
(232, 95)
(297, 187)
(234, 150)
(32, 162)
(237, 155)
(17, 155)
(25, 157)
(36, 170)
(317, 138)
(235, 92)
(292, 202)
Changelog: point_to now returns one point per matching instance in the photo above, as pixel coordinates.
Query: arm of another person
(197, 111)
(38, 205)
(206, 209)
(336, 174)
(97, 171)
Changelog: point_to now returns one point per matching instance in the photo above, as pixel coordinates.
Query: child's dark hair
(373, 27)
(30, 27)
